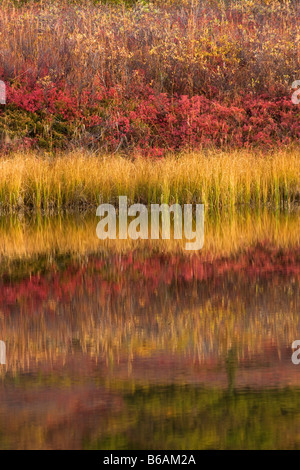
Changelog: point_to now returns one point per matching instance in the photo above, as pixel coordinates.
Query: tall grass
(217, 179)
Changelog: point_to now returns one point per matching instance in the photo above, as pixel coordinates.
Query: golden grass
(215, 178)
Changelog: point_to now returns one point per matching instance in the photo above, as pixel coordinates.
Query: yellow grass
(213, 178)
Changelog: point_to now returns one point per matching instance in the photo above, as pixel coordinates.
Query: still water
(128, 348)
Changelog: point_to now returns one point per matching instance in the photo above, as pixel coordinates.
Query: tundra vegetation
(199, 82)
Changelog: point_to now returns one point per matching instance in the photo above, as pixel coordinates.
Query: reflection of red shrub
(133, 272)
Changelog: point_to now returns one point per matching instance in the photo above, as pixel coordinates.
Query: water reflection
(140, 350)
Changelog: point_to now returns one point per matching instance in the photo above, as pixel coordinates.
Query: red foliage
(147, 122)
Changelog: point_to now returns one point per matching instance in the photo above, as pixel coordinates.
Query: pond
(137, 345)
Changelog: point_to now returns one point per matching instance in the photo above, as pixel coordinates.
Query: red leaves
(144, 121)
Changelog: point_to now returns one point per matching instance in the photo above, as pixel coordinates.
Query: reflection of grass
(181, 418)
(32, 244)
(181, 320)
(215, 179)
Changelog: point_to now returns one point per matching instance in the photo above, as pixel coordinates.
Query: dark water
(160, 351)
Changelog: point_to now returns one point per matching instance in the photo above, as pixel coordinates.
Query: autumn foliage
(150, 78)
